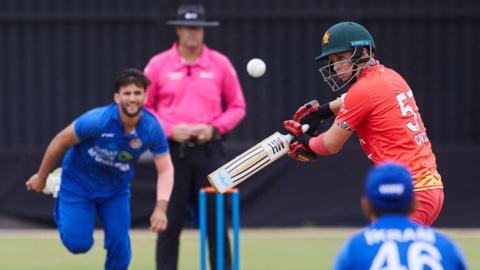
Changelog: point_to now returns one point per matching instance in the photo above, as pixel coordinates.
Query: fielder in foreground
(393, 241)
(103, 146)
(379, 105)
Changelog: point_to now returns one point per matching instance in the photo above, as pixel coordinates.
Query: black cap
(192, 15)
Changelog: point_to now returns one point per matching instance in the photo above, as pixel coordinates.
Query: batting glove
(293, 127)
(299, 147)
(312, 113)
(299, 152)
(308, 114)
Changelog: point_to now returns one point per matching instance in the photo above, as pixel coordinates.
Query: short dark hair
(131, 76)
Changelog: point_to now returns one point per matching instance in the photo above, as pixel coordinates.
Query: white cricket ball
(256, 67)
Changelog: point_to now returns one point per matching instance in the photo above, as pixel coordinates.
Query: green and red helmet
(343, 37)
(346, 37)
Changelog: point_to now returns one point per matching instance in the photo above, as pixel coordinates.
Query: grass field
(279, 249)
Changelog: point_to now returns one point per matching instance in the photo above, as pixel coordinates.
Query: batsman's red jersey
(381, 108)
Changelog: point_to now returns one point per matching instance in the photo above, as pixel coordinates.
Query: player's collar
(389, 218)
(116, 113)
(202, 61)
(369, 67)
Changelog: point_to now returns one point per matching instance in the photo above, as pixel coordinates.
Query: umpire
(196, 95)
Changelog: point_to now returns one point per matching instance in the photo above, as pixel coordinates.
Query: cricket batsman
(379, 106)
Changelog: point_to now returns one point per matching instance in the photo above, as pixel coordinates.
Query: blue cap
(389, 186)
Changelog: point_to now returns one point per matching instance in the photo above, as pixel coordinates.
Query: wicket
(220, 225)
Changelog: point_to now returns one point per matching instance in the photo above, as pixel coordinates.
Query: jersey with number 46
(396, 243)
(381, 108)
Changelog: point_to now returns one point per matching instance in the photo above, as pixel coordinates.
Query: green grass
(278, 249)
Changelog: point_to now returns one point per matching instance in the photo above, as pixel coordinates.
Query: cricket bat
(251, 161)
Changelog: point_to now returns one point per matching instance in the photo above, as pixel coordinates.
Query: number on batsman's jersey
(393, 242)
(380, 107)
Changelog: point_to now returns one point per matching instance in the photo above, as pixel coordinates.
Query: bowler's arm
(164, 166)
(55, 150)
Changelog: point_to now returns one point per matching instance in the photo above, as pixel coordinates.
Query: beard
(130, 114)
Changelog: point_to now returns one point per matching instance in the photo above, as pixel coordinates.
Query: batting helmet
(345, 36)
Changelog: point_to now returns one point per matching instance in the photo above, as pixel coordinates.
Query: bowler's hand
(35, 183)
(158, 219)
(203, 133)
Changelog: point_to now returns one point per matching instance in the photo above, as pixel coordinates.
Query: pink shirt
(193, 94)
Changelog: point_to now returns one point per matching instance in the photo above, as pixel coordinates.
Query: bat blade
(249, 162)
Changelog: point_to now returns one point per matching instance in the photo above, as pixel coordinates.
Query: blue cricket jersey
(104, 159)
(394, 242)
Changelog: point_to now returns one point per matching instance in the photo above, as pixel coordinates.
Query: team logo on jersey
(206, 74)
(326, 37)
(135, 143)
(125, 156)
(107, 135)
(344, 125)
(175, 75)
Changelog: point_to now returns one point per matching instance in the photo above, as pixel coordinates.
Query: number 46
(419, 255)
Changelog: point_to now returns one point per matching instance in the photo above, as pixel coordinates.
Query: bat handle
(304, 129)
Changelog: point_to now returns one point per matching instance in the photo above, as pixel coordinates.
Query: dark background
(58, 58)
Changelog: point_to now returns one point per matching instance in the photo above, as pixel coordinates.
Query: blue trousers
(75, 217)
